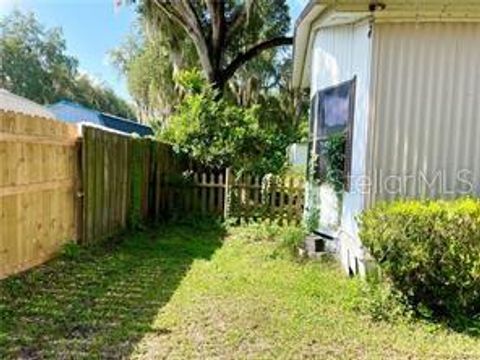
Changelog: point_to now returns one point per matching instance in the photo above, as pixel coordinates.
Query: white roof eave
(302, 39)
(319, 13)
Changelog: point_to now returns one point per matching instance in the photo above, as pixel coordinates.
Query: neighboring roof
(75, 113)
(322, 13)
(12, 102)
(124, 125)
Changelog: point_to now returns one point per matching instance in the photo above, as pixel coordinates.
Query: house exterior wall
(339, 53)
(426, 122)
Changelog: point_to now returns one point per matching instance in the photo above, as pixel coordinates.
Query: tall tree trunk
(211, 43)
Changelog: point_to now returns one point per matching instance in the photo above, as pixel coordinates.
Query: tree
(90, 93)
(150, 60)
(217, 133)
(226, 34)
(34, 64)
(159, 48)
(33, 60)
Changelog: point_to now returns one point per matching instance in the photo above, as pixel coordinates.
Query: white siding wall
(339, 54)
(427, 109)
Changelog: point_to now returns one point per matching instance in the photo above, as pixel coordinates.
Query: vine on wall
(333, 151)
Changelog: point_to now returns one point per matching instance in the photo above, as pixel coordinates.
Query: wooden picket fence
(245, 197)
(202, 193)
(267, 198)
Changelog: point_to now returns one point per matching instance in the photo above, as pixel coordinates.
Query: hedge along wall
(125, 182)
(430, 251)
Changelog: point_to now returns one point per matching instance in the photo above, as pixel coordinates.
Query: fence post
(228, 194)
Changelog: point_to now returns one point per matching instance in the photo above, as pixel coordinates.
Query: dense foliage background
(34, 64)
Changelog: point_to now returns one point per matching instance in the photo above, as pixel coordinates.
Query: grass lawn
(196, 292)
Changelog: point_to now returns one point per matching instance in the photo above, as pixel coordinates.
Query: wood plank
(90, 146)
(204, 194)
(221, 194)
(37, 140)
(196, 193)
(37, 187)
(211, 193)
(99, 190)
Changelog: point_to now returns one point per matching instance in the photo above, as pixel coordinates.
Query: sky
(92, 28)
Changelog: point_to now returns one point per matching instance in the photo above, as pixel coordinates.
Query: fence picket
(221, 193)
(211, 193)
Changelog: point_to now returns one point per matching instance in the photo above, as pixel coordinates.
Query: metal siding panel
(353, 201)
(427, 101)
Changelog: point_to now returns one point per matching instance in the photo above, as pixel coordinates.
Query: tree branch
(184, 14)
(217, 15)
(171, 12)
(191, 14)
(242, 58)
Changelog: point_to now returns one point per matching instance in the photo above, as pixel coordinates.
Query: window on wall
(332, 111)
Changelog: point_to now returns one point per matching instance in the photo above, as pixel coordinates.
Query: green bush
(218, 133)
(383, 302)
(430, 251)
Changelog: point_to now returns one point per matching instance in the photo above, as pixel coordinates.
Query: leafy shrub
(430, 251)
(218, 133)
(382, 301)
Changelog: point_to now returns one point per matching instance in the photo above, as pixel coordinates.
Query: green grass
(100, 301)
(186, 292)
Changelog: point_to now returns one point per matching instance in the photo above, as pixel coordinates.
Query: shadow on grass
(460, 324)
(99, 301)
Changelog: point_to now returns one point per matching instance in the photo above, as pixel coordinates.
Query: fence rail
(58, 186)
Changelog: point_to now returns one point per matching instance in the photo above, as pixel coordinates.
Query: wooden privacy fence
(125, 182)
(106, 183)
(38, 176)
(57, 186)
(128, 181)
